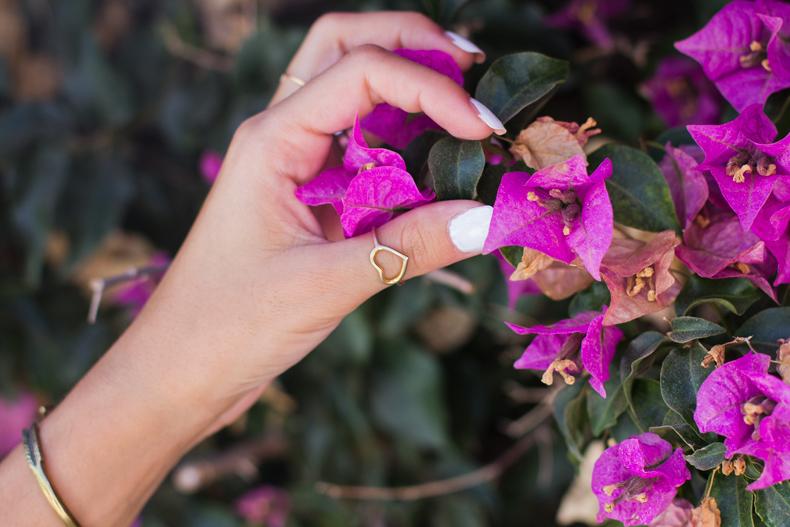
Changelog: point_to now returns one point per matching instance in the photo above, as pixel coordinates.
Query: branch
(484, 474)
(99, 285)
(242, 461)
(451, 279)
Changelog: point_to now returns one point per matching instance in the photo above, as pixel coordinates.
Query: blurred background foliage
(106, 108)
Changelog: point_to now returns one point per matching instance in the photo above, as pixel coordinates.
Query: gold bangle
(36, 463)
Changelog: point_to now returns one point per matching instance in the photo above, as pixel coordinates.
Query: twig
(99, 285)
(484, 474)
(240, 461)
(531, 419)
(543, 437)
(451, 279)
(197, 56)
(442, 487)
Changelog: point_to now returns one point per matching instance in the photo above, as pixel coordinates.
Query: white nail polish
(488, 117)
(468, 230)
(463, 43)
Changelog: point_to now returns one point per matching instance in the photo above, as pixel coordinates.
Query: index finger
(370, 75)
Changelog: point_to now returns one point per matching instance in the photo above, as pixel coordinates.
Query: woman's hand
(256, 285)
(260, 255)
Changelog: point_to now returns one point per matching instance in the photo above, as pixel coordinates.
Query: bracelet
(36, 463)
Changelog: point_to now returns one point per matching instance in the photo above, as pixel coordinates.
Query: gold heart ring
(377, 248)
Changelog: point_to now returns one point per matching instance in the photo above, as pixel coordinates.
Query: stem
(709, 486)
(99, 285)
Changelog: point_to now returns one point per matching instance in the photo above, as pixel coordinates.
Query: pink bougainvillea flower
(368, 190)
(686, 182)
(637, 479)
(780, 249)
(16, 414)
(135, 294)
(590, 17)
(772, 221)
(397, 127)
(744, 49)
(559, 211)
(210, 165)
(677, 514)
(265, 506)
(570, 345)
(681, 93)
(515, 288)
(751, 409)
(638, 276)
(716, 246)
(740, 157)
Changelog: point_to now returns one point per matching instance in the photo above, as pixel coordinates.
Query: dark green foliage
(456, 167)
(638, 191)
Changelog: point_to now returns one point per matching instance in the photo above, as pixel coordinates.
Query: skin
(251, 291)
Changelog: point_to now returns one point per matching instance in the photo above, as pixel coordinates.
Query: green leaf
(708, 457)
(679, 430)
(735, 295)
(34, 213)
(773, 504)
(591, 299)
(617, 109)
(686, 329)
(457, 511)
(631, 365)
(649, 407)
(681, 377)
(456, 167)
(734, 501)
(677, 136)
(571, 416)
(516, 81)
(406, 396)
(605, 412)
(488, 186)
(512, 254)
(638, 191)
(766, 327)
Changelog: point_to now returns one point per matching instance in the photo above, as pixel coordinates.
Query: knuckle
(417, 245)
(367, 53)
(414, 18)
(326, 21)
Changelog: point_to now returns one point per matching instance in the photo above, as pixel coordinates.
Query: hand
(256, 285)
(272, 263)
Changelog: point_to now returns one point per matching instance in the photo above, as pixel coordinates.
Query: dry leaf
(446, 328)
(228, 23)
(547, 142)
(559, 281)
(707, 514)
(783, 357)
(580, 504)
(531, 262)
(118, 253)
(36, 78)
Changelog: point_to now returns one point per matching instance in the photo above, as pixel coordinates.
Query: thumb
(432, 236)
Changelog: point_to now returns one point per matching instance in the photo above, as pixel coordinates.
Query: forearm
(109, 444)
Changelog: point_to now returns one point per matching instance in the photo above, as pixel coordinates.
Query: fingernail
(488, 117)
(468, 230)
(466, 45)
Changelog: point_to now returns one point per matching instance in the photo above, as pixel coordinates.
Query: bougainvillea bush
(632, 300)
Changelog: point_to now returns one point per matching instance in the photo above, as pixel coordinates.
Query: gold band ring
(377, 248)
(296, 80)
